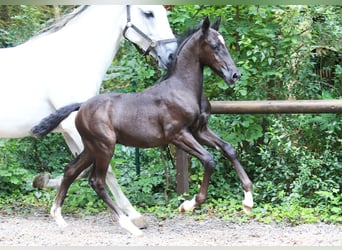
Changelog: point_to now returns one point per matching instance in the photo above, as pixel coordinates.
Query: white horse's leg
(122, 201)
(43, 180)
(54, 183)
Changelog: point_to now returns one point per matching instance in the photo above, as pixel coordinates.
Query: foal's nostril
(236, 76)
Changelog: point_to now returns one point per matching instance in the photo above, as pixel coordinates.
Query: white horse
(48, 71)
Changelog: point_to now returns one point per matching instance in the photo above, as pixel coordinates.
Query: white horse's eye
(149, 14)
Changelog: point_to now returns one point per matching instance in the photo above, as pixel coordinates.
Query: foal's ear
(216, 25)
(205, 25)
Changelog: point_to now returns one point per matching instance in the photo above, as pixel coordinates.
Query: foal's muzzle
(236, 76)
(231, 75)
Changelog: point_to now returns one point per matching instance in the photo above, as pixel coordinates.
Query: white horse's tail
(50, 122)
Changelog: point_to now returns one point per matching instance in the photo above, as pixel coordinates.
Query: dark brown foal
(175, 110)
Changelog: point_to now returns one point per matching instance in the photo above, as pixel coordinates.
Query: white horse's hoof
(127, 224)
(41, 180)
(139, 221)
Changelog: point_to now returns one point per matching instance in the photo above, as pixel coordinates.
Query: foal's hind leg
(207, 137)
(74, 142)
(97, 182)
(72, 170)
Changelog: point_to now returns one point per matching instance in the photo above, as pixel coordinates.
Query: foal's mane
(61, 22)
(182, 40)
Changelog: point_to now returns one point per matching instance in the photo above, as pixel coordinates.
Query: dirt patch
(183, 230)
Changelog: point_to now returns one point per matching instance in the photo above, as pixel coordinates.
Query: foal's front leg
(189, 144)
(207, 137)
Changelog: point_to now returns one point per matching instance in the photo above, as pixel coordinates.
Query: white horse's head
(148, 27)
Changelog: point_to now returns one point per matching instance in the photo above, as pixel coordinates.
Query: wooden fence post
(182, 177)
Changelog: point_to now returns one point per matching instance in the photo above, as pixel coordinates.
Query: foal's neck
(189, 68)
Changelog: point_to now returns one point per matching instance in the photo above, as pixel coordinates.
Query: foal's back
(146, 119)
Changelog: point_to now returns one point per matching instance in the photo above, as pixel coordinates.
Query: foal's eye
(149, 14)
(214, 46)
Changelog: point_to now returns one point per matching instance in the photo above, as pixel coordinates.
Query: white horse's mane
(61, 22)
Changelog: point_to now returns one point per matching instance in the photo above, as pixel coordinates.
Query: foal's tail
(50, 122)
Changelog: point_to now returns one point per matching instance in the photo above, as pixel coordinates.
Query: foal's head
(214, 52)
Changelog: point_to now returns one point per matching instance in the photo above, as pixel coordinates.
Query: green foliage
(21, 159)
(82, 199)
(130, 71)
(19, 23)
(155, 184)
(298, 171)
(13, 177)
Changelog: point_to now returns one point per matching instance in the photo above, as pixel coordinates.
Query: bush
(21, 159)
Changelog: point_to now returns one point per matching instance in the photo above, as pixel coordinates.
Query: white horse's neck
(98, 30)
(81, 52)
(93, 35)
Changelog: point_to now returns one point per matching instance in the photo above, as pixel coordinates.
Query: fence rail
(276, 107)
(255, 107)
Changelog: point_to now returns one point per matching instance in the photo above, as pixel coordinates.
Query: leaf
(243, 92)
(222, 85)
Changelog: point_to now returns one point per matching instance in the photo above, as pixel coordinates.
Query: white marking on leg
(247, 202)
(126, 223)
(187, 205)
(56, 213)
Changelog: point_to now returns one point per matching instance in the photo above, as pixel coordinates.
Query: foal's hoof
(247, 203)
(186, 206)
(61, 223)
(41, 180)
(140, 222)
(246, 208)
